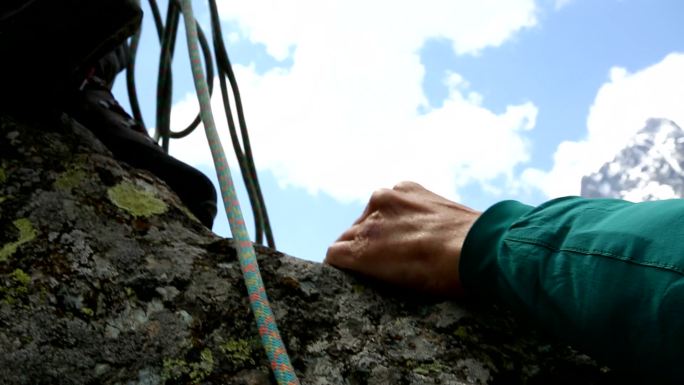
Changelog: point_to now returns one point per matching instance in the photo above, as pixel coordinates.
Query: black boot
(61, 50)
(47, 44)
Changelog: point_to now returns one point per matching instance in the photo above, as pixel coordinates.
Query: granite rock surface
(106, 279)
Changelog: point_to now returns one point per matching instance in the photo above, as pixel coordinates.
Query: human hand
(407, 236)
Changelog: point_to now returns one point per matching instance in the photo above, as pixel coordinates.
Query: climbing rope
(245, 159)
(270, 336)
(241, 144)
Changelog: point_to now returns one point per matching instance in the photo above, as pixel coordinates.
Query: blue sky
(479, 101)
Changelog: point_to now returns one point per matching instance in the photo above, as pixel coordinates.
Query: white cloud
(559, 4)
(620, 109)
(344, 118)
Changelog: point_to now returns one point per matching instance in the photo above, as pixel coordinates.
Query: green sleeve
(604, 275)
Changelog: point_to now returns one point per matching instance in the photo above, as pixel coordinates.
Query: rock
(96, 288)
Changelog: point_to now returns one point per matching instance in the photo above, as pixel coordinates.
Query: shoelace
(268, 330)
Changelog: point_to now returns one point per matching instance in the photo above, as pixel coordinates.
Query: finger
(379, 199)
(351, 250)
(366, 212)
(350, 233)
(369, 228)
(341, 254)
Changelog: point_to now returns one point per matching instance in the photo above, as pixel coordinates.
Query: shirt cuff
(478, 266)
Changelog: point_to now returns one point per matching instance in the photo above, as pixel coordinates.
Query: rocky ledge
(106, 278)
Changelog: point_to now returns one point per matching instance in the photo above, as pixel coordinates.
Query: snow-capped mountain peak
(649, 167)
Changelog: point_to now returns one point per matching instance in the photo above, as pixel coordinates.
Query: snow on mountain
(650, 167)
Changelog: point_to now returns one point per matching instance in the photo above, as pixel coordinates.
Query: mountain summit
(650, 167)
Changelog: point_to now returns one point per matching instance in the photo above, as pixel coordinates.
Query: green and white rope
(270, 336)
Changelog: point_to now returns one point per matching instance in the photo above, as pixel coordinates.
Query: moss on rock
(238, 351)
(200, 370)
(175, 368)
(16, 287)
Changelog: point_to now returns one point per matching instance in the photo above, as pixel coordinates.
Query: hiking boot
(46, 44)
(94, 106)
(50, 46)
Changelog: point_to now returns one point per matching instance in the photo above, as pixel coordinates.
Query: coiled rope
(270, 336)
(241, 143)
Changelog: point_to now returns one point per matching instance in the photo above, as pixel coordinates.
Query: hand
(407, 236)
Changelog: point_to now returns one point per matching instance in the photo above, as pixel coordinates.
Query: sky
(479, 101)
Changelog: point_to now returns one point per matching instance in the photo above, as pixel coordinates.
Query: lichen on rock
(136, 200)
(70, 179)
(26, 234)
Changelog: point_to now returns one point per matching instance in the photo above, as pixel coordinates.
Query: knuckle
(372, 228)
(406, 186)
(381, 197)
